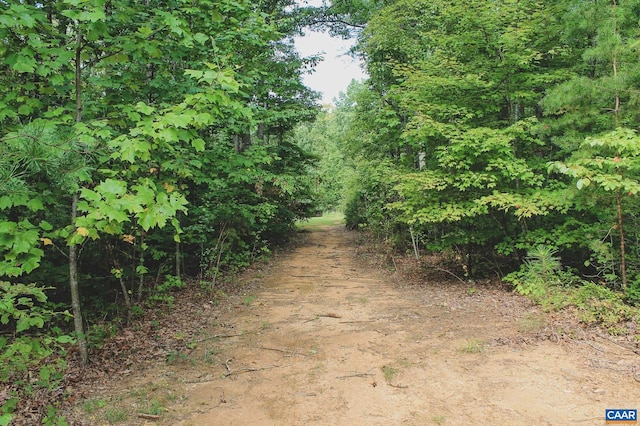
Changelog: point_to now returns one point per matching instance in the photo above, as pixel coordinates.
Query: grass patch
(153, 398)
(177, 357)
(115, 415)
(211, 356)
(92, 405)
(327, 219)
(154, 408)
(473, 346)
(439, 420)
(389, 372)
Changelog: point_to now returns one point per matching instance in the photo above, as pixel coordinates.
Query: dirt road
(320, 338)
(324, 340)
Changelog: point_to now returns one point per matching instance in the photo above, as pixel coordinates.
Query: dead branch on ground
(244, 370)
(287, 352)
(355, 375)
(224, 336)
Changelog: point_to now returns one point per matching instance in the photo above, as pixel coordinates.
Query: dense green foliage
(492, 129)
(139, 140)
(325, 138)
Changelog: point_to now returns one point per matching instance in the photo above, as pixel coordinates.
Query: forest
(147, 146)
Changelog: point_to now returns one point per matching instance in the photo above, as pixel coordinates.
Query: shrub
(30, 359)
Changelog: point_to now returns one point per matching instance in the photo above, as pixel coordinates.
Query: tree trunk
(616, 114)
(260, 134)
(422, 160)
(78, 79)
(623, 262)
(141, 273)
(73, 248)
(123, 284)
(178, 258)
(75, 292)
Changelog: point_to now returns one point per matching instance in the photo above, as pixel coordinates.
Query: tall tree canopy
(471, 111)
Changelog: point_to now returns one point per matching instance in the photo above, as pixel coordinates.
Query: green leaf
(5, 202)
(22, 63)
(145, 109)
(70, 13)
(5, 419)
(583, 183)
(146, 220)
(112, 187)
(178, 120)
(25, 109)
(45, 373)
(198, 144)
(91, 16)
(145, 31)
(26, 19)
(64, 339)
(35, 204)
(8, 227)
(201, 38)
(22, 324)
(6, 21)
(57, 79)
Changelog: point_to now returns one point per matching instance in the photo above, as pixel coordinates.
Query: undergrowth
(32, 352)
(543, 280)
